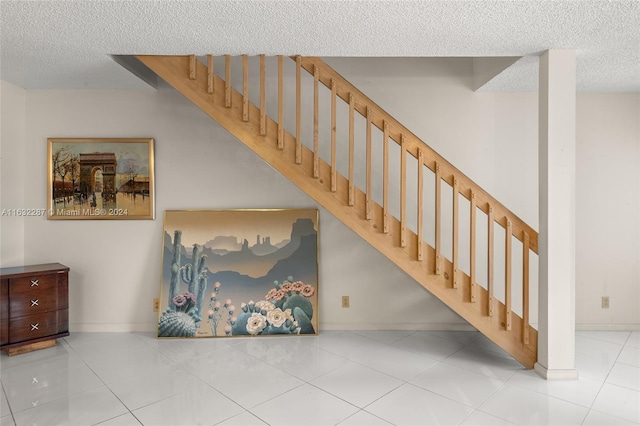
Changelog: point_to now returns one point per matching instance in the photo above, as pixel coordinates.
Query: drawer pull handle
(34, 326)
(34, 303)
(34, 283)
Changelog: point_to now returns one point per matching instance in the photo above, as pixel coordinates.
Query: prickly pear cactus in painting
(297, 301)
(286, 309)
(304, 322)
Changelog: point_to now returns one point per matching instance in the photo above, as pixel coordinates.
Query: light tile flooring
(346, 378)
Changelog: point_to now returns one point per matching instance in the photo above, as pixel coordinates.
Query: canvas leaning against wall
(100, 179)
(239, 273)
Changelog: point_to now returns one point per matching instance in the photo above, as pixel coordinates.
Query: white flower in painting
(264, 305)
(276, 317)
(256, 323)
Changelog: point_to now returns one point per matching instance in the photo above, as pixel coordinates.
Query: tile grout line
(8, 405)
(105, 385)
(604, 381)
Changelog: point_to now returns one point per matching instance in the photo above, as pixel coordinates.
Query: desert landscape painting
(239, 273)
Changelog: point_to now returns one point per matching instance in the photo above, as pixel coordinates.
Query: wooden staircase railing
(355, 206)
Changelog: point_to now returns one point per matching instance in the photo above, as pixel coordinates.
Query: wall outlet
(156, 305)
(605, 302)
(345, 301)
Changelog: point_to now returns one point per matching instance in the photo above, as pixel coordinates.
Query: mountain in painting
(224, 243)
(246, 262)
(263, 247)
(298, 256)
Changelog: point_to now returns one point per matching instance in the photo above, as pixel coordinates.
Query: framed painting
(239, 273)
(100, 179)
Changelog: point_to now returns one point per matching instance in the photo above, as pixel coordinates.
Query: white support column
(557, 242)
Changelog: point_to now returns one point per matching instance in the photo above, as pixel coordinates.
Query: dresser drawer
(33, 326)
(33, 282)
(33, 302)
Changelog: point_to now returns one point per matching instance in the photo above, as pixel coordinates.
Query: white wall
(12, 174)
(608, 210)
(489, 136)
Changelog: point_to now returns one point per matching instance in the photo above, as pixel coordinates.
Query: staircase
(392, 236)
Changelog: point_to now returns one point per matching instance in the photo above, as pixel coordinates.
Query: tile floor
(346, 378)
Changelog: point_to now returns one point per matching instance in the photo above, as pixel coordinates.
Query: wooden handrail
(379, 117)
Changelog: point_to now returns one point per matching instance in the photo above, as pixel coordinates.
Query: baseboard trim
(607, 327)
(556, 374)
(380, 326)
(112, 328)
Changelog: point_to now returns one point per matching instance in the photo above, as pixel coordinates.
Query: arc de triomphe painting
(100, 179)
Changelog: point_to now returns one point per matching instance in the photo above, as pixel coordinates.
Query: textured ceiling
(66, 44)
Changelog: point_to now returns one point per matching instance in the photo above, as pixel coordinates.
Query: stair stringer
(175, 70)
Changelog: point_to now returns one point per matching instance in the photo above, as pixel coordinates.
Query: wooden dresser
(34, 306)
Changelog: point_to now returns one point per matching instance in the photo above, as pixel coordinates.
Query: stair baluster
(490, 236)
(454, 244)
(403, 192)
(334, 170)
(245, 88)
(316, 108)
(263, 97)
(210, 74)
(352, 103)
(472, 248)
(298, 110)
(507, 277)
(227, 81)
(368, 154)
(420, 230)
(438, 191)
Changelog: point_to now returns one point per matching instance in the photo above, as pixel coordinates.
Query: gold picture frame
(100, 178)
